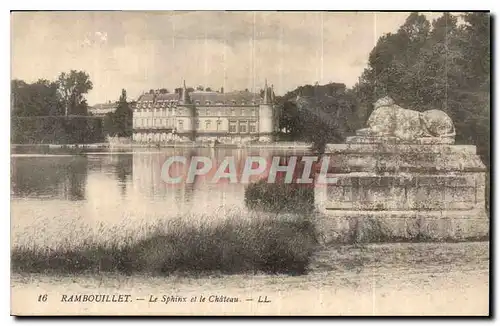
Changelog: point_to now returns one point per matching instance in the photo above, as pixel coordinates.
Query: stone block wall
(403, 192)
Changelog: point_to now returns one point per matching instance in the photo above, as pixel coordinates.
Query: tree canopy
(64, 96)
(443, 64)
(119, 122)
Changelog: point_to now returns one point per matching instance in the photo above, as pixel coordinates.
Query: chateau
(205, 116)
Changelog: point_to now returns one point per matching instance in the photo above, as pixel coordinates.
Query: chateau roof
(202, 97)
(104, 106)
(163, 97)
(226, 98)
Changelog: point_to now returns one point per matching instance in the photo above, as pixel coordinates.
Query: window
(181, 125)
(234, 102)
(243, 112)
(197, 124)
(252, 126)
(243, 127)
(208, 125)
(254, 112)
(232, 126)
(233, 112)
(208, 112)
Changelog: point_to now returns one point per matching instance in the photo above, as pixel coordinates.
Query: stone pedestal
(385, 190)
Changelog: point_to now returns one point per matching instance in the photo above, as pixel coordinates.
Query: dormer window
(207, 102)
(243, 103)
(197, 102)
(234, 102)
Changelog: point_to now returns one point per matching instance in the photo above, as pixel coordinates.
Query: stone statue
(391, 120)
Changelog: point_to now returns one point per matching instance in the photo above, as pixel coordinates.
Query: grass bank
(231, 245)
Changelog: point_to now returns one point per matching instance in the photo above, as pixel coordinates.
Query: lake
(59, 197)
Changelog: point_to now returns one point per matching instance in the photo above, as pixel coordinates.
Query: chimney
(265, 93)
(184, 93)
(222, 90)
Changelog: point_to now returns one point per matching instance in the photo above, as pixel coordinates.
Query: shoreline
(274, 145)
(397, 279)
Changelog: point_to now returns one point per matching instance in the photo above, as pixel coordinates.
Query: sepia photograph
(250, 163)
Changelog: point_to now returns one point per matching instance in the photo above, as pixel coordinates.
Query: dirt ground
(385, 279)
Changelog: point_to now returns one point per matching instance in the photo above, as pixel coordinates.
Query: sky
(139, 51)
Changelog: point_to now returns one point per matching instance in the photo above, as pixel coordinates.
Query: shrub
(280, 197)
(232, 245)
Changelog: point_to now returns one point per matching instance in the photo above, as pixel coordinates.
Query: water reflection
(112, 185)
(71, 193)
(61, 177)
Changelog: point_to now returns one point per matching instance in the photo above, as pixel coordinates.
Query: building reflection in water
(114, 185)
(203, 195)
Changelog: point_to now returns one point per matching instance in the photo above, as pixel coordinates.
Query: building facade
(100, 110)
(205, 116)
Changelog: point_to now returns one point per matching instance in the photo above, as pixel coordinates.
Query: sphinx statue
(389, 120)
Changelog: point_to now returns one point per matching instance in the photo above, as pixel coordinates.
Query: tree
(36, 99)
(72, 87)
(119, 123)
(163, 91)
(440, 66)
(312, 114)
